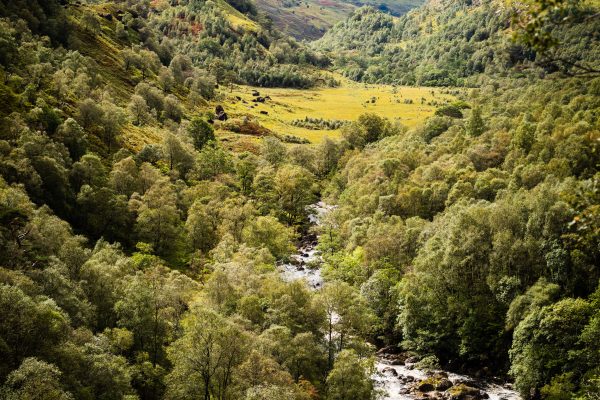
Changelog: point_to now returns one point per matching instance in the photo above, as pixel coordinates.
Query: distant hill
(310, 19)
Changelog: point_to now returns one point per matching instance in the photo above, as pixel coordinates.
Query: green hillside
(447, 42)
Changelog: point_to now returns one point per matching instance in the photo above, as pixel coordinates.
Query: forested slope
(139, 253)
(474, 238)
(310, 19)
(444, 43)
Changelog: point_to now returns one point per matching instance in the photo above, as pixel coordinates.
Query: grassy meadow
(408, 105)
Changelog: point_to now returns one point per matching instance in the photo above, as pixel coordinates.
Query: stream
(393, 382)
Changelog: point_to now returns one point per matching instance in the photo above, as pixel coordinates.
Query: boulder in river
(438, 395)
(425, 386)
(390, 371)
(469, 382)
(437, 381)
(464, 392)
(443, 384)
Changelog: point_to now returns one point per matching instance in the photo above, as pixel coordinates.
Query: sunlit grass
(347, 102)
(237, 19)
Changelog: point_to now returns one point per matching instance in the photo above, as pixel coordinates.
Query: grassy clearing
(237, 19)
(347, 102)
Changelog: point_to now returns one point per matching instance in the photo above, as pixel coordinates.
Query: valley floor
(408, 105)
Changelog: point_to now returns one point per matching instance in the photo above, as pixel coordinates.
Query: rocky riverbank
(398, 378)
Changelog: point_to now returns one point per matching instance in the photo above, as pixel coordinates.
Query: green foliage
(293, 188)
(449, 111)
(139, 249)
(472, 233)
(367, 129)
(201, 132)
(34, 379)
(203, 358)
(446, 44)
(158, 220)
(29, 327)
(269, 232)
(545, 345)
(475, 124)
(429, 363)
(340, 387)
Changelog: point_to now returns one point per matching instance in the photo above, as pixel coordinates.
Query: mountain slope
(305, 19)
(310, 19)
(445, 43)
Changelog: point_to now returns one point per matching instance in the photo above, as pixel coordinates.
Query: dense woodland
(447, 43)
(138, 251)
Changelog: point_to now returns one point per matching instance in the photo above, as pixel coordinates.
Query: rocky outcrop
(439, 387)
(438, 381)
(464, 392)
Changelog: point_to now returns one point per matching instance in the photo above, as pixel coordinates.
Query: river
(393, 382)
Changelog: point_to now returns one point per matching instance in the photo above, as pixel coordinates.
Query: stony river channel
(393, 380)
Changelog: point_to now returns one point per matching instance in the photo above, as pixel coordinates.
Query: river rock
(399, 359)
(443, 384)
(425, 386)
(437, 381)
(390, 371)
(469, 382)
(411, 360)
(439, 395)
(464, 392)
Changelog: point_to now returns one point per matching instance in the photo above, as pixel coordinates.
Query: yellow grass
(237, 19)
(134, 137)
(347, 102)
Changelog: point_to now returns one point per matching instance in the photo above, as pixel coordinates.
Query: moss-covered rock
(438, 381)
(464, 392)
